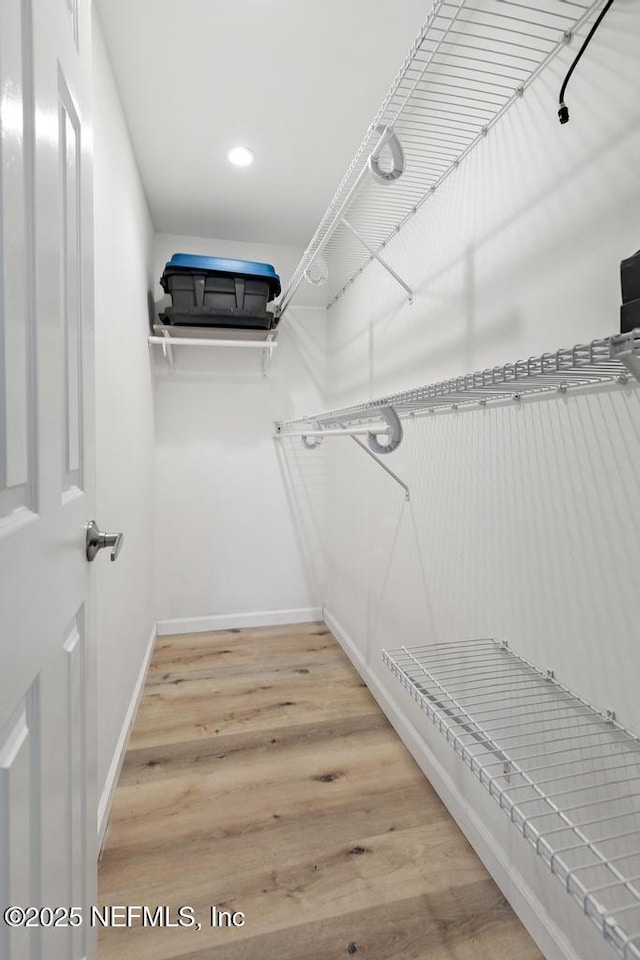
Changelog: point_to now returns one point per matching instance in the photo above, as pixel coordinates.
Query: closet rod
(202, 342)
(351, 432)
(169, 339)
(392, 431)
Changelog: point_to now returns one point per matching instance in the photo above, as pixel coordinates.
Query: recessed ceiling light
(241, 156)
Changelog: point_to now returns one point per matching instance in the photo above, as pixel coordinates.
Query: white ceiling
(297, 81)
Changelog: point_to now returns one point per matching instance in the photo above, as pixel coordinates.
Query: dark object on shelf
(630, 316)
(219, 292)
(218, 317)
(630, 278)
(630, 283)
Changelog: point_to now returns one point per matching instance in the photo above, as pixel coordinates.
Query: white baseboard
(546, 933)
(108, 793)
(238, 621)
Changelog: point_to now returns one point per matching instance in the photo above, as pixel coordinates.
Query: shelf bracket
(313, 437)
(167, 349)
(393, 432)
(267, 355)
(622, 349)
(386, 469)
(387, 138)
(376, 256)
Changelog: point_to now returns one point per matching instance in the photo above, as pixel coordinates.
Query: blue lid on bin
(242, 268)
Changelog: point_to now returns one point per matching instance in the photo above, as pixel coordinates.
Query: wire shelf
(471, 61)
(567, 776)
(606, 361)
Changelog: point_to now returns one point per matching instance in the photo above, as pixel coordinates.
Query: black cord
(563, 112)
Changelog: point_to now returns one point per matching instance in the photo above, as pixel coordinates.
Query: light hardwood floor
(262, 777)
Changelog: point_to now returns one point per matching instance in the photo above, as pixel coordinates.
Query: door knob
(96, 540)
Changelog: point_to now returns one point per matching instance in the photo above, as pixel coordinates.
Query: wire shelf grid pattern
(609, 360)
(567, 776)
(471, 61)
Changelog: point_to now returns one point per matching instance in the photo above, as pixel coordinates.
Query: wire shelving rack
(566, 775)
(471, 61)
(607, 361)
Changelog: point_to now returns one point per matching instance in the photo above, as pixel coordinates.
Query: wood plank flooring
(262, 777)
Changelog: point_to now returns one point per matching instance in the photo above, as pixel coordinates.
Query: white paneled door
(47, 697)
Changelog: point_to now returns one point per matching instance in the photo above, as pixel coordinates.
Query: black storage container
(219, 292)
(630, 316)
(630, 283)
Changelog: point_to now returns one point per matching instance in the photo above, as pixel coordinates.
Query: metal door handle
(96, 540)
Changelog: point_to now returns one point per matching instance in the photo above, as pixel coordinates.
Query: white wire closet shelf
(607, 361)
(470, 62)
(168, 337)
(567, 776)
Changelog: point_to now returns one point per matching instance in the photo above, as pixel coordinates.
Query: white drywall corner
(124, 411)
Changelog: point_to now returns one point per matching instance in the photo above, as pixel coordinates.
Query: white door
(47, 699)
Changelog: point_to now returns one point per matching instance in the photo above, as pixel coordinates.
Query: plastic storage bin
(630, 278)
(630, 282)
(219, 292)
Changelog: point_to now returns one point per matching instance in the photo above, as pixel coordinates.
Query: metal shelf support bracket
(386, 469)
(167, 349)
(387, 139)
(313, 437)
(376, 256)
(623, 350)
(267, 355)
(392, 431)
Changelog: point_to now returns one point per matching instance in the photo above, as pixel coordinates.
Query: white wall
(227, 543)
(124, 413)
(523, 520)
